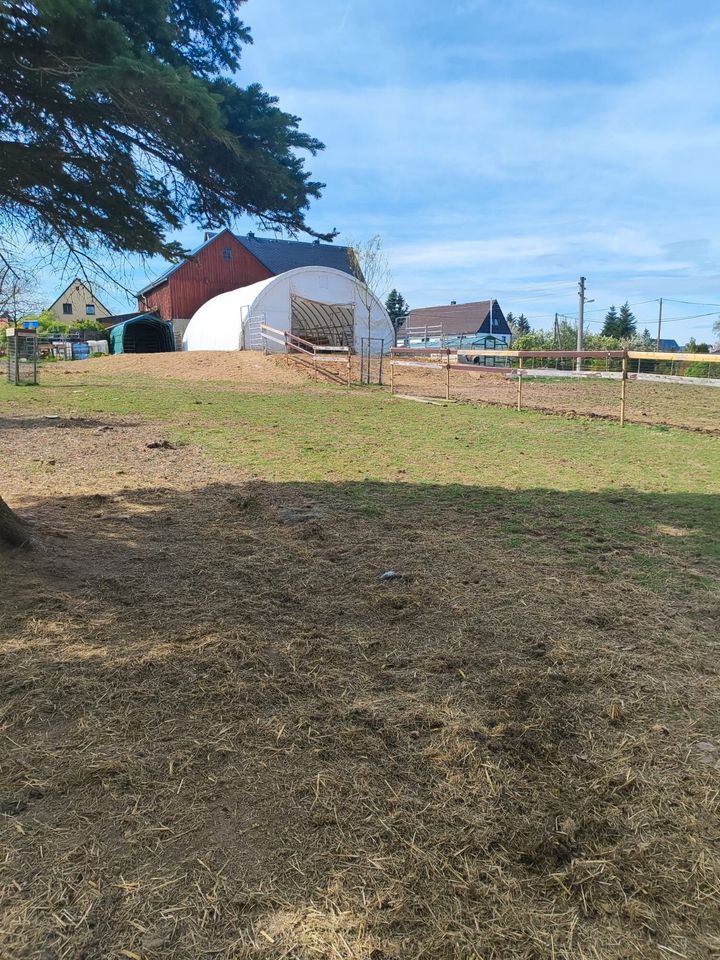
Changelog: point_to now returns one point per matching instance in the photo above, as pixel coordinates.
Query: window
(67, 309)
(227, 253)
(90, 309)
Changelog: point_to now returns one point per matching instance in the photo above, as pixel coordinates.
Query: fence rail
(448, 361)
(317, 353)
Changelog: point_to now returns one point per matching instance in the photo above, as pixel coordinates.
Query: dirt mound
(247, 366)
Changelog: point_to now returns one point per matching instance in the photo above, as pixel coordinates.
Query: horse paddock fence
(587, 383)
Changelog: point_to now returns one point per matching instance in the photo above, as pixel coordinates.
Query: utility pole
(657, 342)
(556, 333)
(581, 320)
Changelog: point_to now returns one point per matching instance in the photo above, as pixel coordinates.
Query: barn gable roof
(459, 318)
(164, 277)
(278, 256)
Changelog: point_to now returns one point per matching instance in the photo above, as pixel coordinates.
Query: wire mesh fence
(23, 357)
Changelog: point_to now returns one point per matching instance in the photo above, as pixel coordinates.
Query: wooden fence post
(520, 380)
(392, 375)
(623, 388)
(447, 376)
(349, 370)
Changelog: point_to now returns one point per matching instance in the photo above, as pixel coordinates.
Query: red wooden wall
(206, 275)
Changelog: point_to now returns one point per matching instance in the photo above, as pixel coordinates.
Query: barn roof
(283, 255)
(457, 318)
(176, 266)
(278, 256)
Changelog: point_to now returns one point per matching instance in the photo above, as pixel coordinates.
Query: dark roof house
(455, 319)
(224, 262)
(669, 346)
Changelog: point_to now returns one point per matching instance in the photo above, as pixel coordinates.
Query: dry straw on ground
(224, 736)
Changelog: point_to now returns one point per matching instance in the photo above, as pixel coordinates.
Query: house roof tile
(458, 318)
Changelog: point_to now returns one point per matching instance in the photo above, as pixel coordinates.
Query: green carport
(144, 333)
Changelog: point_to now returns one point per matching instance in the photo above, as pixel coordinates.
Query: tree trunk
(14, 532)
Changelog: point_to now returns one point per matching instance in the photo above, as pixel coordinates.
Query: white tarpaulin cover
(320, 300)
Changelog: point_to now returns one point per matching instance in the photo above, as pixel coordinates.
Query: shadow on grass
(227, 734)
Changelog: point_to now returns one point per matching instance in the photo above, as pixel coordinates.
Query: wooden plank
(677, 357)
(487, 353)
(266, 336)
(419, 352)
(427, 364)
(328, 358)
(548, 372)
(477, 368)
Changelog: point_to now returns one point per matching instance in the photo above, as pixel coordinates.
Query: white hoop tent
(319, 304)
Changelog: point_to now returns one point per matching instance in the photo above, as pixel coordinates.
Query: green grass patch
(624, 486)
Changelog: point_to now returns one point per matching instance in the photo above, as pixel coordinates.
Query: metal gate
(252, 335)
(372, 351)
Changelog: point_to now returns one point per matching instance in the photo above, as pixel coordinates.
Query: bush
(696, 370)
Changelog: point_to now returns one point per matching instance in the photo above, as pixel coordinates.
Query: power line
(694, 316)
(692, 303)
(640, 303)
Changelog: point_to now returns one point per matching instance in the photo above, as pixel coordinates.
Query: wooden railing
(317, 353)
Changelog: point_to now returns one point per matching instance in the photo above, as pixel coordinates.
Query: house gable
(457, 319)
(82, 303)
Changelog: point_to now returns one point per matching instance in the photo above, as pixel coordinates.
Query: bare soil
(678, 405)
(247, 369)
(225, 736)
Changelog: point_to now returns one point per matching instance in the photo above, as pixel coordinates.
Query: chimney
(453, 303)
(316, 243)
(251, 235)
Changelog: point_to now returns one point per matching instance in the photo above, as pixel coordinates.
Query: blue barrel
(80, 351)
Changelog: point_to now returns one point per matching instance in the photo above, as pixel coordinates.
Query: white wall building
(319, 304)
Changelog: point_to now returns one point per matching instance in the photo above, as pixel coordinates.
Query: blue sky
(504, 149)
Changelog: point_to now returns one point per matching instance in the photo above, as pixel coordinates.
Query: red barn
(225, 262)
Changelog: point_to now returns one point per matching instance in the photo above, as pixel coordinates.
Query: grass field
(224, 735)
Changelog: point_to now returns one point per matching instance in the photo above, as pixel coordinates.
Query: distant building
(225, 262)
(475, 326)
(668, 346)
(78, 302)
